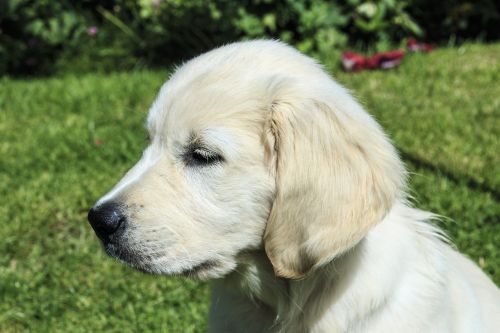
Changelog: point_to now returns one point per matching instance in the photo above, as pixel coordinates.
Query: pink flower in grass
(92, 31)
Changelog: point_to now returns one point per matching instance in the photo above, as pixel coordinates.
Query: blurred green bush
(47, 36)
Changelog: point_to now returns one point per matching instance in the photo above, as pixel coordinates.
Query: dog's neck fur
(354, 286)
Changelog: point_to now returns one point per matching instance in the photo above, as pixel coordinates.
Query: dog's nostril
(105, 219)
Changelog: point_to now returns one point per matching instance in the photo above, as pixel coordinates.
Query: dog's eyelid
(197, 155)
(198, 144)
(206, 150)
(203, 151)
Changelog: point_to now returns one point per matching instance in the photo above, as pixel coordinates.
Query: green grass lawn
(441, 109)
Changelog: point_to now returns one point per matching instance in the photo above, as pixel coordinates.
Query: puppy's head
(252, 146)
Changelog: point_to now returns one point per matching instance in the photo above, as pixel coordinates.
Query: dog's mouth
(200, 269)
(145, 263)
(126, 256)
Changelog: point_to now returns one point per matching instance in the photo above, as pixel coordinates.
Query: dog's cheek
(252, 213)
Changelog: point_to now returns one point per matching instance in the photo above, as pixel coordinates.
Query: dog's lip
(111, 248)
(204, 266)
(123, 254)
(109, 243)
(115, 250)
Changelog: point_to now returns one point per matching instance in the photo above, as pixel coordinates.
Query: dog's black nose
(106, 219)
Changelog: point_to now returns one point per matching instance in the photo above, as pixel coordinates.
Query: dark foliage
(47, 36)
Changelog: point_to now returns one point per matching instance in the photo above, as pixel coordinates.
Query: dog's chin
(207, 269)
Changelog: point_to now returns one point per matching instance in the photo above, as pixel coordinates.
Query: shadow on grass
(468, 181)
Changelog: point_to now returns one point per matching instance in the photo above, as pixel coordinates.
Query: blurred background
(77, 79)
(48, 36)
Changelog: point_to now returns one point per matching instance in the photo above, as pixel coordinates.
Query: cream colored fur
(300, 216)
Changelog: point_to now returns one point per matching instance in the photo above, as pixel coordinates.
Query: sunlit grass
(65, 141)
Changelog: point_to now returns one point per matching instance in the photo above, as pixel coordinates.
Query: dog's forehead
(227, 87)
(217, 110)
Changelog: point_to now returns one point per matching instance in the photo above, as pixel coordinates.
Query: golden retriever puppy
(266, 175)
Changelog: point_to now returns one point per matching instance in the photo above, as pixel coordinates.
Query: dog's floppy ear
(337, 175)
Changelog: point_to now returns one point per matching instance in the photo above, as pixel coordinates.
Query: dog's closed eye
(201, 156)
